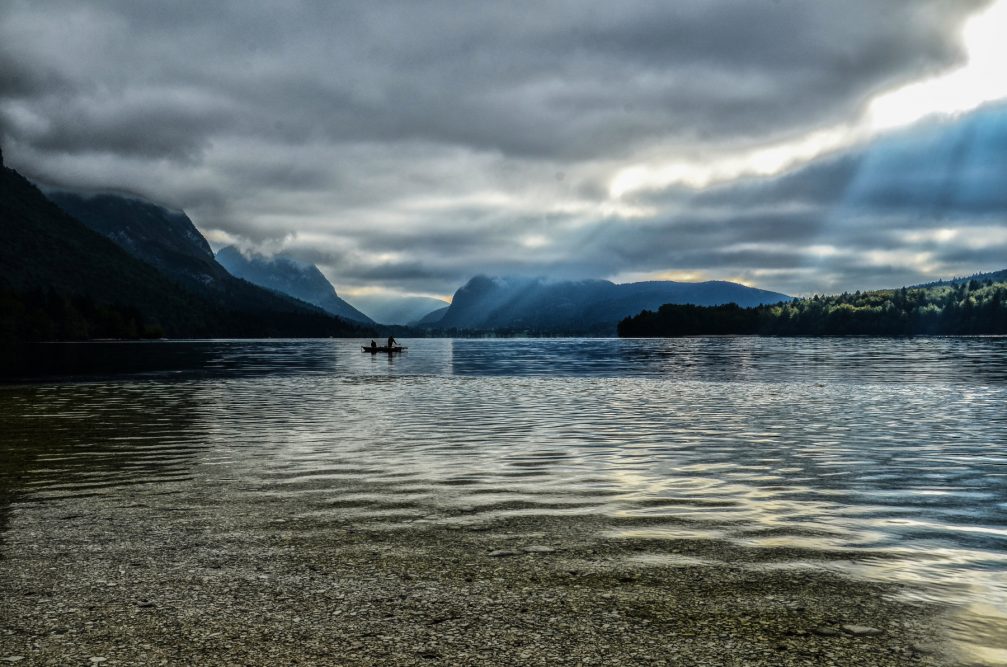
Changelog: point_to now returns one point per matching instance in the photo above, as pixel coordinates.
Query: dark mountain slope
(579, 307)
(60, 279)
(170, 242)
(290, 277)
(163, 238)
(433, 319)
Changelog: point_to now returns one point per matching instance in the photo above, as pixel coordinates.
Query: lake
(876, 460)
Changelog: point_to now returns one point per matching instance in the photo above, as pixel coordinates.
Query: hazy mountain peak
(111, 284)
(399, 309)
(589, 306)
(289, 276)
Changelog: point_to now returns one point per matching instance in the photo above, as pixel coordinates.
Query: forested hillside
(973, 307)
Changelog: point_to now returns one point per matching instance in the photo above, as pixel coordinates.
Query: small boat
(375, 350)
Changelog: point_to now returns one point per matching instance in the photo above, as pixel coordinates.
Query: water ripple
(884, 457)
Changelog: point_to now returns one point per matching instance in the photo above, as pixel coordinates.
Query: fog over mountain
(137, 270)
(288, 276)
(398, 310)
(797, 146)
(168, 241)
(306, 282)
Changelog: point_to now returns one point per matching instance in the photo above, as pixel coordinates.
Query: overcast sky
(798, 145)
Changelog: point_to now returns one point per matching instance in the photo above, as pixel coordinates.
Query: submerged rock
(503, 553)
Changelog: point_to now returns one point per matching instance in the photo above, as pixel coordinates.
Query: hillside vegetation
(966, 308)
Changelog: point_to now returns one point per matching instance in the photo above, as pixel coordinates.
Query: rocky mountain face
(291, 277)
(168, 241)
(160, 237)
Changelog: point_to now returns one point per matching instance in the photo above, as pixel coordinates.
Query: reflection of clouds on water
(880, 459)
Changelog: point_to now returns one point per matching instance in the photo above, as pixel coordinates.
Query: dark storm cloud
(19, 79)
(414, 144)
(143, 130)
(521, 78)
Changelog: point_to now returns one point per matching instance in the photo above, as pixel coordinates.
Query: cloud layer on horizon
(410, 145)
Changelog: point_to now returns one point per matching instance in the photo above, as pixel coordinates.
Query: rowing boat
(375, 350)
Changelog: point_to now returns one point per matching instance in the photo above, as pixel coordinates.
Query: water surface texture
(882, 459)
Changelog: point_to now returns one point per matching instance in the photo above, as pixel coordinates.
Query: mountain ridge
(403, 310)
(590, 306)
(169, 241)
(60, 279)
(992, 276)
(286, 275)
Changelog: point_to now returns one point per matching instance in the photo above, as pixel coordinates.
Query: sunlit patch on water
(883, 460)
(978, 630)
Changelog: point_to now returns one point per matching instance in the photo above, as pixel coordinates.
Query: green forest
(972, 307)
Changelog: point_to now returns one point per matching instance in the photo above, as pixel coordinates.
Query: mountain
(168, 241)
(399, 310)
(288, 276)
(161, 237)
(60, 279)
(580, 307)
(433, 319)
(992, 277)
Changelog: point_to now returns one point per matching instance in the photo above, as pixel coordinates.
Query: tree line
(969, 308)
(47, 314)
(44, 314)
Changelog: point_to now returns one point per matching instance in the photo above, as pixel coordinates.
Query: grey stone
(503, 553)
(861, 630)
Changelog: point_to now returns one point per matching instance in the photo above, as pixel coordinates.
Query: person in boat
(392, 342)
(374, 345)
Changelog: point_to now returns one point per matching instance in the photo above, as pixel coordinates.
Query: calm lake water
(887, 456)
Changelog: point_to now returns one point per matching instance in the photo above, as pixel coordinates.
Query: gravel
(198, 576)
